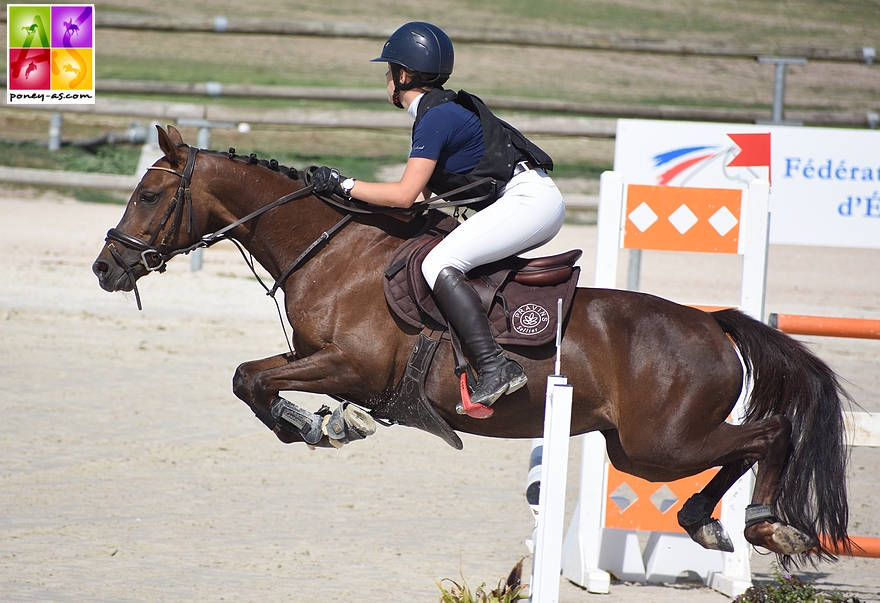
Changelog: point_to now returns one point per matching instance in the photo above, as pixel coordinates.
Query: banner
(825, 183)
(51, 54)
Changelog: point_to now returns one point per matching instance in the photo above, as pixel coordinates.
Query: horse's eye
(149, 197)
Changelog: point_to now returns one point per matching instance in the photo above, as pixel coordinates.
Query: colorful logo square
(51, 54)
(72, 26)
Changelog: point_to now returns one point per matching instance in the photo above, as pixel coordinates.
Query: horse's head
(159, 221)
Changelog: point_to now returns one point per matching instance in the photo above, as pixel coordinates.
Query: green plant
(791, 589)
(508, 591)
(108, 159)
(87, 195)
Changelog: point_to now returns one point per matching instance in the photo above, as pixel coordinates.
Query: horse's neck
(279, 235)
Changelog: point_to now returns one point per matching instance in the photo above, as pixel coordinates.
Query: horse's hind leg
(735, 448)
(762, 528)
(695, 515)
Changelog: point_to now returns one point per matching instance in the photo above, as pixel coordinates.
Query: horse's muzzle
(111, 276)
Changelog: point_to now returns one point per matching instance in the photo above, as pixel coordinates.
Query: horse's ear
(169, 142)
(174, 136)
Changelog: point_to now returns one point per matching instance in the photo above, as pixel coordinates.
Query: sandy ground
(130, 472)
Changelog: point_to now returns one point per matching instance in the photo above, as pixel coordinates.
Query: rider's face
(389, 85)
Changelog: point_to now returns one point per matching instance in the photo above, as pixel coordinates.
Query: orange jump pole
(826, 326)
(862, 547)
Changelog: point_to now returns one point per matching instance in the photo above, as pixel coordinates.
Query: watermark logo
(51, 54)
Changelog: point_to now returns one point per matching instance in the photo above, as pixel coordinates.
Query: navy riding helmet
(422, 49)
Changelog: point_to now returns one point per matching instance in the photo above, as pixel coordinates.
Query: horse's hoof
(710, 534)
(779, 538)
(791, 541)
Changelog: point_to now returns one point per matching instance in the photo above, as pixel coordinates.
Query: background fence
(535, 116)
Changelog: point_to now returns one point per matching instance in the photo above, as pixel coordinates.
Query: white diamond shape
(683, 219)
(663, 498)
(643, 216)
(723, 221)
(623, 496)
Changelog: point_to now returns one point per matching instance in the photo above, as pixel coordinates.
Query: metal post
(634, 274)
(204, 139)
(196, 260)
(55, 131)
(778, 93)
(781, 63)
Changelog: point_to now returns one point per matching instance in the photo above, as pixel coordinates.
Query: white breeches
(529, 213)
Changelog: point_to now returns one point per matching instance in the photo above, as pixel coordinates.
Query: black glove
(327, 180)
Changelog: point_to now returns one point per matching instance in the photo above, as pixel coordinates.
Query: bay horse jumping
(658, 379)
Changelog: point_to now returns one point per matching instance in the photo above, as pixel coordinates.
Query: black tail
(789, 379)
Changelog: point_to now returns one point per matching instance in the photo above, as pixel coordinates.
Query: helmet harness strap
(415, 82)
(395, 76)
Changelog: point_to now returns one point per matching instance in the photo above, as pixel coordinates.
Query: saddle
(519, 295)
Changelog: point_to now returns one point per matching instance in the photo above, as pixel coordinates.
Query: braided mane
(271, 164)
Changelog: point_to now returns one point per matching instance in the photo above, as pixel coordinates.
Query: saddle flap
(418, 286)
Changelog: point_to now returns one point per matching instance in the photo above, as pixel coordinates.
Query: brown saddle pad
(519, 295)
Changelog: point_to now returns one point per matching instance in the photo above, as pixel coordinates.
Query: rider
(456, 141)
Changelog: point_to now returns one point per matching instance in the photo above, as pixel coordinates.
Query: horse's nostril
(100, 267)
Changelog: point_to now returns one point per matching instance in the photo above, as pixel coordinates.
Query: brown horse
(658, 379)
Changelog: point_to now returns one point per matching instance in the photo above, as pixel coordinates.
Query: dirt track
(131, 473)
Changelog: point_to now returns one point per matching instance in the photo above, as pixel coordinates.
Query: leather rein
(155, 258)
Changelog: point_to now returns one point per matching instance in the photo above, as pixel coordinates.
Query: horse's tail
(788, 379)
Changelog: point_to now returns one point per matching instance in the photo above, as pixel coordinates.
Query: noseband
(154, 259)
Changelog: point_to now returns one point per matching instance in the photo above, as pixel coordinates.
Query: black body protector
(504, 146)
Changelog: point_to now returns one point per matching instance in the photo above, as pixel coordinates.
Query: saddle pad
(520, 314)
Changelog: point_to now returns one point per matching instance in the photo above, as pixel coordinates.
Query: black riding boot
(461, 304)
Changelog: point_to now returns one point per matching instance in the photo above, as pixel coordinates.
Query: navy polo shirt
(450, 134)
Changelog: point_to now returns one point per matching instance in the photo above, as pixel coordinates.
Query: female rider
(457, 141)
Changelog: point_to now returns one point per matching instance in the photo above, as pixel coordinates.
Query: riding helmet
(419, 47)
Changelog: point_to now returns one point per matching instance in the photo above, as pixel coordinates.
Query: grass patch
(582, 169)
(107, 159)
(509, 590)
(95, 196)
(791, 589)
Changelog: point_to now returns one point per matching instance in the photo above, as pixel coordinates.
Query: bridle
(154, 258)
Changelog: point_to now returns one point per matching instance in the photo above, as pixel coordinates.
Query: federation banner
(50, 54)
(825, 183)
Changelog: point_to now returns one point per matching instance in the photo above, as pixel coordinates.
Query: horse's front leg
(258, 382)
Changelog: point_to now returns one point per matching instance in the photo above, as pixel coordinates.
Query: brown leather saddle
(519, 295)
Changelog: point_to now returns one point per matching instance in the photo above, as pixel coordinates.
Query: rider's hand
(327, 180)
